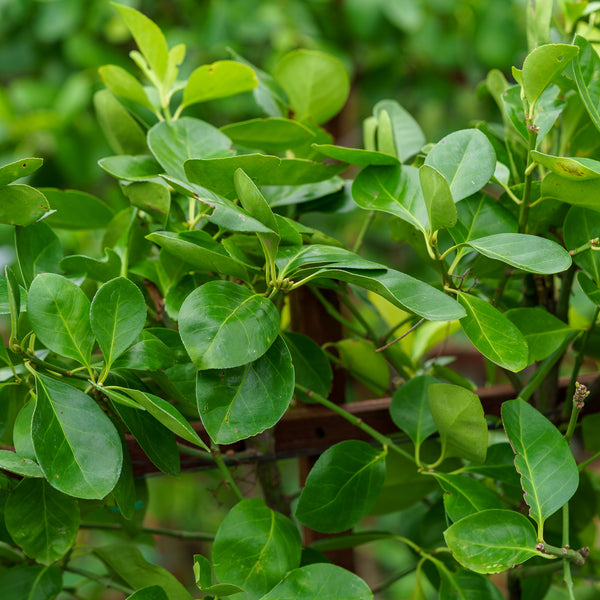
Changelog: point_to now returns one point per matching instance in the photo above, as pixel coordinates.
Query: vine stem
(174, 533)
(216, 452)
(382, 439)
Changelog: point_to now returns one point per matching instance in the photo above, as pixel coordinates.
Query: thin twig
(401, 337)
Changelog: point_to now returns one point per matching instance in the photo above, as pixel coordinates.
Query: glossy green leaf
(360, 358)
(76, 210)
(394, 190)
(102, 269)
(549, 475)
(542, 65)
(124, 85)
(580, 226)
(76, 444)
(272, 134)
(38, 251)
(225, 325)
(152, 197)
(466, 159)
(342, 487)
(21, 204)
(157, 442)
(153, 592)
(19, 168)
(117, 316)
(467, 585)
(218, 80)
(493, 334)
(123, 133)
(530, 253)
(42, 521)
(59, 314)
(31, 583)
(165, 413)
(578, 192)
(128, 563)
(580, 168)
(492, 541)
(408, 139)
(217, 173)
(12, 462)
(355, 156)
(590, 289)
(464, 495)
(307, 583)
(174, 142)
(148, 37)
(131, 168)
(458, 416)
(586, 68)
(316, 84)
(543, 331)
(409, 408)
(438, 199)
(239, 402)
(499, 465)
(255, 547)
(146, 353)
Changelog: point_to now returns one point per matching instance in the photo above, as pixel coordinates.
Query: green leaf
(586, 69)
(59, 314)
(590, 289)
(76, 210)
(157, 442)
(458, 416)
(129, 564)
(174, 142)
(539, 19)
(272, 134)
(408, 139)
(493, 334)
(22, 205)
(492, 541)
(342, 487)
(360, 358)
(354, 156)
(578, 192)
(102, 269)
(117, 316)
(122, 131)
(22, 440)
(147, 353)
(12, 462)
(20, 168)
(316, 84)
(438, 199)
(466, 159)
(164, 413)
(76, 444)
(131, 168)
(255, 547)
(218, 80)
(217, 173)
(124, 491)
(148, 37)
(124, 85)
(203, 575)
(42, 521)
(543, 332)
(580, 168)
(580, 226)
(467, 585)
(225, 325)
(409, 408)
(549, 475)
(542, 65)
(239, 402)
(153, 592)
(465, 496)
(530, 253)
(394, 190)
(31, 583)
(308, 583)
(38, 251)
(153, 197)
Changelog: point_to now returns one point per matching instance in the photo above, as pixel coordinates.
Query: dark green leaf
(153, 592)
(586, 68)
(20, 168)
(549, 475)
(590, 289)
(255, 547)
(38, 251)
(493, 334)
(467, 585)
(272, 134)
(59, 312)
(12, 462)
(320, 581)
(124, 491)
(342, 487)
(225, 325)
(131, 168)
(491, 541)
(31, 583)
(22, 440)
(102, 269)
(499, 464)
(239, 402)
(76, 210)
(458, 416)
(147, 353)
(22, 205)
(42, 521)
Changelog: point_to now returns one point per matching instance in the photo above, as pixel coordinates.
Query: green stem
(396, 577)
(333, 312)
(363, 230)
(382, 439)
(524, 211)
(32, 358)
(216, 452)
(195, 452)
(565, 542)
(102, 580)
(581, 466)
(575, 556)
(174, 533)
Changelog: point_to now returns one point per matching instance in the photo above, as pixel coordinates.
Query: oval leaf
(20, 168)
(22, 205)
(572, 168)
(225, 325)
(342, 487)
(12, 462)
(76, 210)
